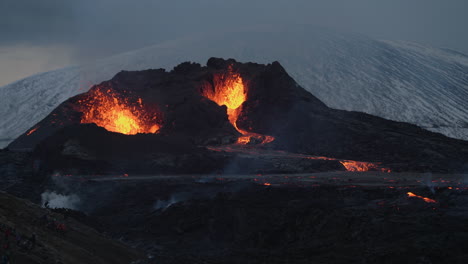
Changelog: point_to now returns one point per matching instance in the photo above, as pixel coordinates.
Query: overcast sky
(40, 35)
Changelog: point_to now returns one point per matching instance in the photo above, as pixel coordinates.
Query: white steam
(427, 181)
(173, 199)
(56, 200)
(164, 204)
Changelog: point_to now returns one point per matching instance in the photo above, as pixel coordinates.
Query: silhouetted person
(32, 241)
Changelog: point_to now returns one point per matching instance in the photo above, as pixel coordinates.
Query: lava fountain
(116, 113)
(229, 90)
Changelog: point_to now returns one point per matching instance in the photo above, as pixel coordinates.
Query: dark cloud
(98, 28)
(36, 22)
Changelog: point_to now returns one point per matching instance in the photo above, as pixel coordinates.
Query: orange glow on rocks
(427, 200)
(229, 90)
(115, 113)
(352, 165)
(32, 131)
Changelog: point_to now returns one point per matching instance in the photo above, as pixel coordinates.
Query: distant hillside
(78, 244)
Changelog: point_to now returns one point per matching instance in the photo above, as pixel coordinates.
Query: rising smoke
(56, 200)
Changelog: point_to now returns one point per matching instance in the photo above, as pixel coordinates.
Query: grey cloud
(36, 22)
(98, 28)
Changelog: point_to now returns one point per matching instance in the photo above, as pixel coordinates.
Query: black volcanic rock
(89, 149)
(276, 105)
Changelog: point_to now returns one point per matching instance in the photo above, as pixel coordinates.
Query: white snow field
(396, 80)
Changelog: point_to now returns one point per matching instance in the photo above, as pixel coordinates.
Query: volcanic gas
(118, 113)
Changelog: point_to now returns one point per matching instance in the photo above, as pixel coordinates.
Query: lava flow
(229, 90)
(32, 131)
(352, 165)
(115, 113)
(427, 200)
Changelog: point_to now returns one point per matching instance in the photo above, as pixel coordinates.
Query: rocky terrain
(333, 217)
(78, 243)
(308, 218)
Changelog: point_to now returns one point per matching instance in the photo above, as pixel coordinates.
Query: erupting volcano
(116, 113)
(174, 152)
(229, 90)
(203, 119)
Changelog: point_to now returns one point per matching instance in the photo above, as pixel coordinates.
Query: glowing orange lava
(32, 131)
(106, 109)
(229, 90)
(427, 200)
(352, 165)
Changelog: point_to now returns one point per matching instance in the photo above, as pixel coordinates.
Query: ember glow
(115, 113)
(229, 90)
(427, 200)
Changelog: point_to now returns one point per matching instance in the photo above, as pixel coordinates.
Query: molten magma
(352, 165)
(32, 131)
(229, 90)
(114, 113)
(427, 200)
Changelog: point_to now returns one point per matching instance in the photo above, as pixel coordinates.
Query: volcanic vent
(228, 89)
(117, 113)
(197, 118)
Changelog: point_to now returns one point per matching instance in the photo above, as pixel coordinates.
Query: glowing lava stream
(427, 200)
(107, 110)
(229, 90)
(32, 131)
(350, 165)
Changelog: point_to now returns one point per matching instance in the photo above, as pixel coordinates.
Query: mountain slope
(79, 244)
(399, 81)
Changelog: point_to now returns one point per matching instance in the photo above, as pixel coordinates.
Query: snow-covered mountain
(395, 80)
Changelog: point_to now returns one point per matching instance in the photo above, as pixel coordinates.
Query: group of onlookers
(12, 239)
(53, 224)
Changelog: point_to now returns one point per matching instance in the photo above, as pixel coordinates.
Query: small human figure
(18, 239)
(32, 240)
(7, 233)
(5, 259)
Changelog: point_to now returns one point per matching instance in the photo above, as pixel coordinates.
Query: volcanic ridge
(225, 117)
